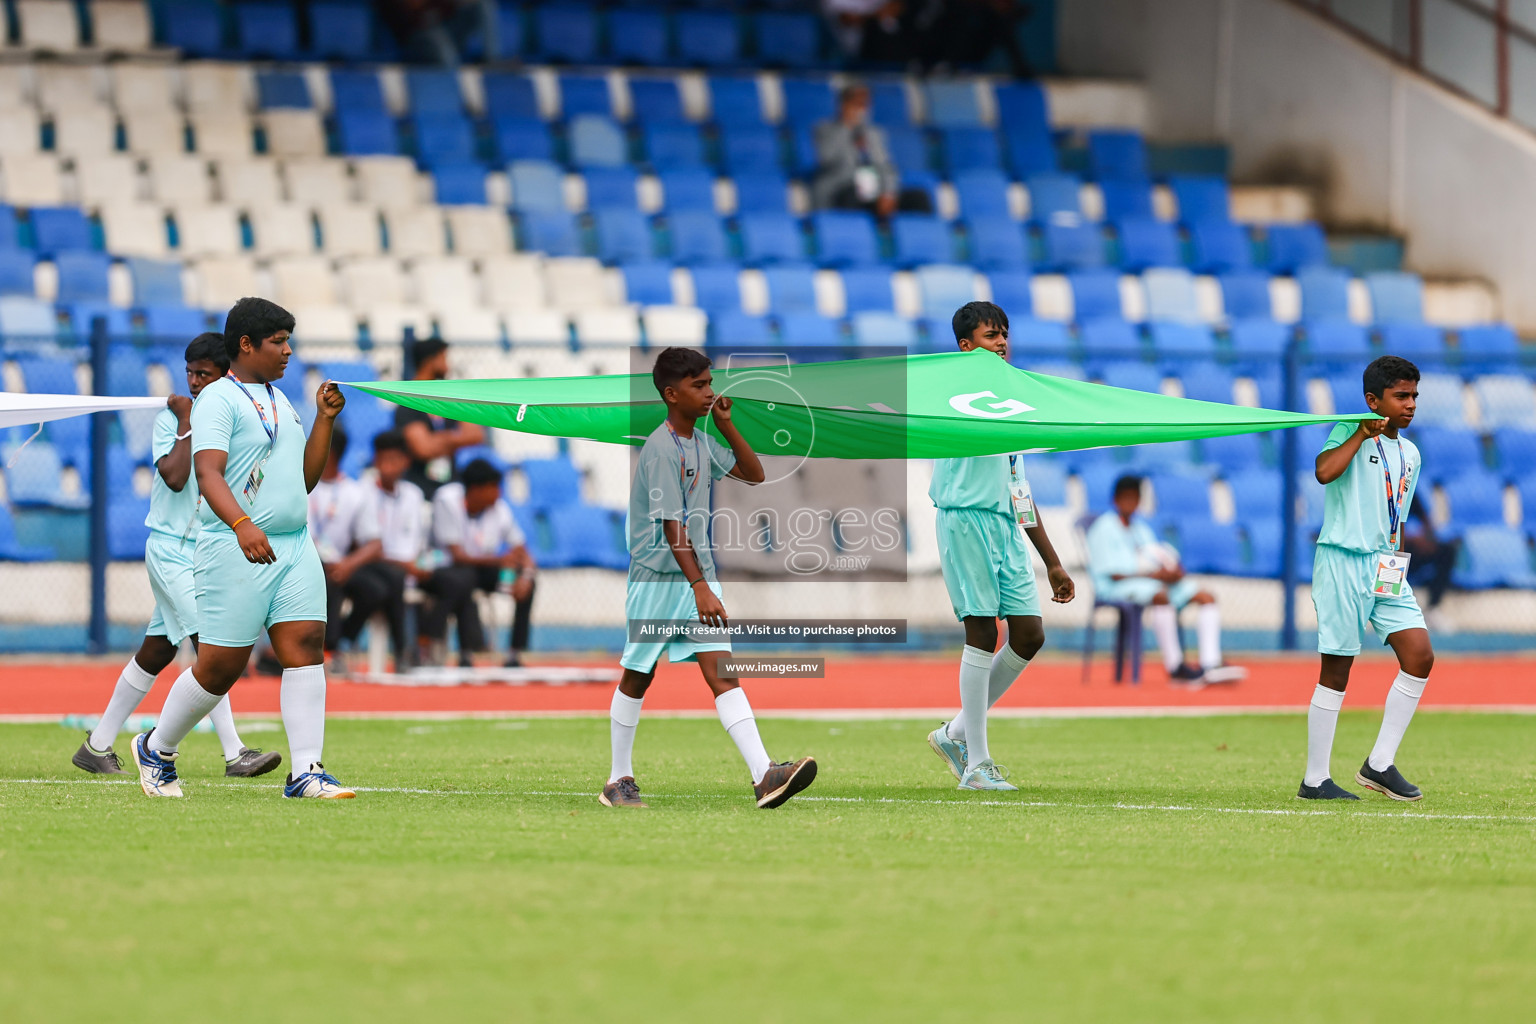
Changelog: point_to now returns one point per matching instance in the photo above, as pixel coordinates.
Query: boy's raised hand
(329, 400)
(1373, 427)
(721, 410)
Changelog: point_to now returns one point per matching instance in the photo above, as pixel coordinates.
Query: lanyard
(1394, 501)
(270, 427)
(682, 470)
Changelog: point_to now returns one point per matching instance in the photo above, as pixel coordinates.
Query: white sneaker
(157, 771)
(987, 775)
(1225, 674)
(320, 785)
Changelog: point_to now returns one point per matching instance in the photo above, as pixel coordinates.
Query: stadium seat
(1506, 400)
(522, 138)
(698, 237)
(567, 32)
(1494, 556)
(277, 89)
(1054, 197)
(1413, 339)
(611, 188)
(1011, 290)
(944, 288)
(165, 324)
(734, 100)
(584, 94)
(509, 95)
(1171, 295)
(648, 284)
(443, 139)
(1487, 343)
(590, 536)
(1245, 295)
(1183, 340)
(1324, 293)
(808, 329)
(1095, 293)
(1182, 495)
(744, 146)
(1396, 297)
(788, 39)
(1236, 453)
(82, 276)
(1202, 199)
(1129, 375)
(655, 100)
(1476, 498)
(1516, 449)
(1292, 247)
(736, 328)
(637, 37)
(1029, 340)
(982, 194)
(1115, 155)
(791, 288)
(717, 288)
(1126, 200)
(707, 38)
(1446, 450)
(1147, 243)
(12, 550)
(16, 269)
(595, 141)
(548, 231)
(32, 477)
(920, 238)
(969, 149)
(688, 189)
(889, 106)
(1203, 381)
(267, 30)
(623, 236)
(996, 244)
(1208, 546)
(845, 238)
(1220, 246)
(867, 289)
(953, 104)
(341, 30)
(908, 148)
(536, 186)
(59, 229)
(9, 234)
(366, 132)
(1109, 337)
(668, 325)
(883, 329)
(459, 185)
(79, 318)
(771, 238)
(670, 145)
(120, 28)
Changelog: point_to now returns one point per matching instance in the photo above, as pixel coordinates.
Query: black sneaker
(1187, 676)
(251, 763)
(621, 793)
(97, 762)
(784, 780)
(1388, 782)
(1325, 790)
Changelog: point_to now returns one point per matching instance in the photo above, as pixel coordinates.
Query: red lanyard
(1394, 503)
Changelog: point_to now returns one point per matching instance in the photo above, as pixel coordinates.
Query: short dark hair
(974, 314)
(1386, 371)
(851, 90)
(210, 346)
(479, 473)
(426, 348)
(257, 319)
(389, 441)
(1128, 482)
(339, 440)
(674, 364)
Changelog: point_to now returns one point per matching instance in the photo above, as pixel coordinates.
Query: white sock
(185, 706)
(1006, 666)
(975, 679)
(303, 702)
(132, 686)
(736, 715)
(623, 720)
(1322, 719)
(1165, 625)
(1208, 634)
(1402, 699)
(223, 720)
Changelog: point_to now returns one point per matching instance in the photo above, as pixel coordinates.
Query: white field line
(952, 801)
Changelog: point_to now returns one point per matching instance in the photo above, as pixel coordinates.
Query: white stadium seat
(217, 87)
(134, 229)
(537, 327)
(31, 180)
(513, 282)
(224, 280)
(317, 182)
(378, 279)
(576, 283)
(106, 180)
(294, 133)
(323, 324)
(226, 134)
(143, 87)
(387, 323)
(282, 229)
(249, 183)
(85, 132)
(207, 230)
(65, 88)
(388, 182)
(607, 327)
(348, 229)
(48, 25)
(154, 132)
(470, 326)
(121, 26)
(674, 325)
(180, 178)
(479, 230)
(418, 231)
(304, 281)
(20, 130)
(445, 284)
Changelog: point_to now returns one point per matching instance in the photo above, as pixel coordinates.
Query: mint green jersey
(673, 478)
(1355, 506)
(980, 482)
(225, 418)
(170, 512)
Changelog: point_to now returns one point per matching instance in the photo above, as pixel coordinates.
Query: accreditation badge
(1391, 574)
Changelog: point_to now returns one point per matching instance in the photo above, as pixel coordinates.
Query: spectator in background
(431, 440)
(345, 539)
(1128, 563)
(1434, 559)
(474, 524)
(949, 34)
(438, 31)
(872, 31)
(853, 165)
(398, 511)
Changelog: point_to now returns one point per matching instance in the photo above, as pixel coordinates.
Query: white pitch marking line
(1170, 808)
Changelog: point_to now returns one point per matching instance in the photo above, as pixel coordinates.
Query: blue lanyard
(1394, 500)
(682, 470)
(272, 427)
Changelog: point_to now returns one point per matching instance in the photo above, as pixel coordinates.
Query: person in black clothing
(1434, 558)
(432, 440)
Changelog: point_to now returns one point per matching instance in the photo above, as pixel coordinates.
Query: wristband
(242, 519)
(183, 437)
(694, 583)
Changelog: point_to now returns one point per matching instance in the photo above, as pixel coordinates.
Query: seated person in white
(1128, 563)
(474, 524)
(398, 512)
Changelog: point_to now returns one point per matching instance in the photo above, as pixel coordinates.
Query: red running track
(862, 685)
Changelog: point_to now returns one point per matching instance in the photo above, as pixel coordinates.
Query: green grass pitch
(1150, 869)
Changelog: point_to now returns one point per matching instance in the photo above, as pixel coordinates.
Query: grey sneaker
(88, 760)
(251, 763)
(621, 793)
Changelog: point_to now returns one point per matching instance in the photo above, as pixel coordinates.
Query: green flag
(897, 407)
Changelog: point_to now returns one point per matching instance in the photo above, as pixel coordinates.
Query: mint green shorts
(237, 599)
(987, 567)
(673, 601)
(1342, 594)
(168, 560)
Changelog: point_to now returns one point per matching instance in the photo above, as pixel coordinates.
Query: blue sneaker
(320, 785)
(987, 775)
(952, 751)
(157, 771)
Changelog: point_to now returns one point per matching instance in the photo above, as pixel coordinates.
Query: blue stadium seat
(945, 288)
(513, 32)
(734, 327)
(1095, 293)
(1202, 199)
(596, 141)
(698, 237)
(1324, 293)
(1396, 297)
(670, 145)
(1413, 340)
(717, 288)
(1348, 394)
(1337, 340)
(1219, 246)
(12, 550)
(982, 194)
(196, 29)
(10, 236)
(1117, 155)
(997, 244)
(1245, 295)
(637, 37)
(764, 191)
(1029, 340)
(623, 236)
(584, 94)
(536, 186)
(1446, 447)
(127, 535)
(908, 149)
(522, 138)
(967, 149)
(1294, 246)
(707, 38)
(1527, 488)
(1487, 343)
(1235, 453)
(788, 39)
(734, 100)
(888, 104)
(1126, 200)
(366, 133)
(1516, 448)
(1494, 556)
(1011, 290)
(1264, 536)
(79, 316)
(655, 100)
(1171, 295)
(509, 96)
(1182, 494)
(16, 267)
(1029, 152)
(443, 139)
(1184, 340)
(552, 482)
(1022, 117)
(1054, 197)
(921, 238)
(549, 231)
(1203, 381)
(1147, 243)
(567, 32)
(282, 89)
(459, 184)
(1211, 547)
(340, 29)
(873, 328)
(32, 477)
(791, 288)
(59, 228)
(45, 375)
(867, 289)
(125, 372)
(845, 238)
(1098, 477)
(747, 146)
(808, 329)
(433, 91)
(1109, 337)
(953, 104)
(1256, 491)
(591, 536)
(688, 189)
(1506, 400)
(808, 100)
(1073, 246)
(82, 276)
(771, 238)
(356, 91)
(803, 158)
(1132, 376)
(173, 324)
(648, 284)
(155, 282)
(611, 188)
(1476, 497)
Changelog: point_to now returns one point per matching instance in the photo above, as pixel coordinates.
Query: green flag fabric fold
(897, 407)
